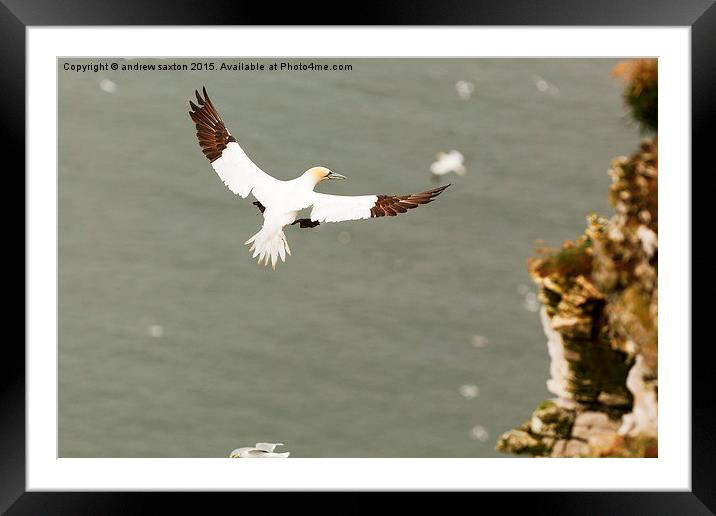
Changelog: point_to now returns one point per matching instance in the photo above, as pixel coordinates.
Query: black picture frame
(17, 15)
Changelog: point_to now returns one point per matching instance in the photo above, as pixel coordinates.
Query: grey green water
(412, 336)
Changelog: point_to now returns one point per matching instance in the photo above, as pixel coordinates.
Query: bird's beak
(333, 175)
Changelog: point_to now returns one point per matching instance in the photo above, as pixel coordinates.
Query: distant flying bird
(280, 201)
(464, 89)
(452, 161)
(261, 451)
(544, 86)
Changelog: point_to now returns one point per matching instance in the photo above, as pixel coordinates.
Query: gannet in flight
(452, 161)
(261, 451)
(280, 201)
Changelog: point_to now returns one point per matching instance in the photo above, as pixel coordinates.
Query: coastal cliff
(599, 296)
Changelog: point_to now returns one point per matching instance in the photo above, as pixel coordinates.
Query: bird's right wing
(236, 170)
(337, 208)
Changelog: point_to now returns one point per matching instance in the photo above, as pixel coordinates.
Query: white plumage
(281, 201)
(260, 451)
(335, 208)
(240, 174)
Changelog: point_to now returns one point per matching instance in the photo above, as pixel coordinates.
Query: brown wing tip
(392, 205)
(440, 189)
(199, 100)
(211, 132)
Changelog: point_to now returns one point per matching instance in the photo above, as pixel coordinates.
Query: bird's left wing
(337, 208)
(267, 447)
(234, 167)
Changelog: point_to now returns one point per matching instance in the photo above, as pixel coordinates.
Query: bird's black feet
(306, 223)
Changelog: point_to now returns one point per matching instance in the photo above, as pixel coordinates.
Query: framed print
(503, 305)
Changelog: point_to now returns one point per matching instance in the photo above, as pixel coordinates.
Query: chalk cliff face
(600, 297)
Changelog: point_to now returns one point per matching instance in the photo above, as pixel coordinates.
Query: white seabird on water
(464, 89)
(260, 451)
(544, 86)
(280, 201)
(107, 86)
(447, 162)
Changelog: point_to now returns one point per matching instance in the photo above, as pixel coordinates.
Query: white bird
(280, 201)
(544, 86)
(464, 89)
(261, 451)
(452, 161)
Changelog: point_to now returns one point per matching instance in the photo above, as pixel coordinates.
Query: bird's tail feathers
(269, 246)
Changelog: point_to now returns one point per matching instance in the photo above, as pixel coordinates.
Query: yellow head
(318, 174)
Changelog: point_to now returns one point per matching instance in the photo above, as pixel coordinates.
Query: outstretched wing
(229, 160)
(267, 447)
(336, 208)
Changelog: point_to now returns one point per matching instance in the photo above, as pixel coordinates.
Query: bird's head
(318, 174)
